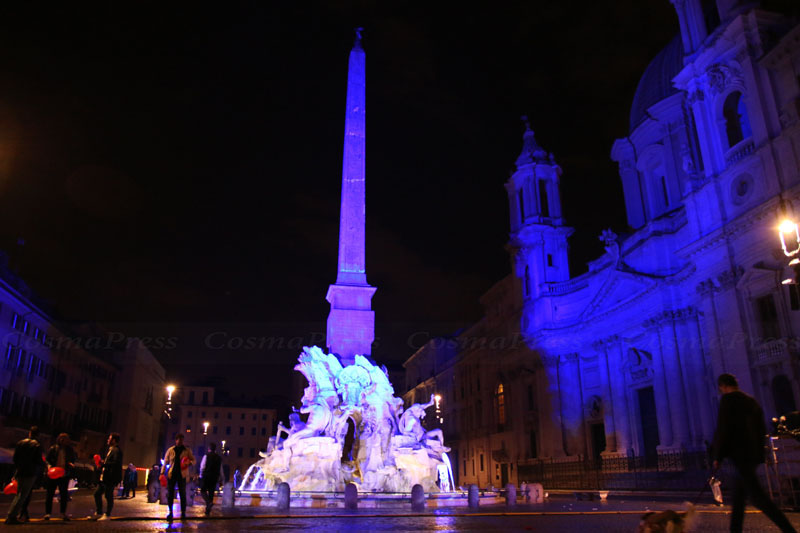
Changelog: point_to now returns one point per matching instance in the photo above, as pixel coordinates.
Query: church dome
(656, 82)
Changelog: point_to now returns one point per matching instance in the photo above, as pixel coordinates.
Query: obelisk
(351, 322)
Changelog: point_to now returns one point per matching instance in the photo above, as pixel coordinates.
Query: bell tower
(538, 239)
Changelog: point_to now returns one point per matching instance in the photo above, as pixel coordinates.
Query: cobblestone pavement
(561, 515)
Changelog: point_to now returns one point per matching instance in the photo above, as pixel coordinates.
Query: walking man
(110, 476)
(62, 455)
(29, 464)
(177, 461)
(740, 438)
(211, 474)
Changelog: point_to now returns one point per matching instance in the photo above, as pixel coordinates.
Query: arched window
(527, 280)
(737, 125)
(500, 402)
(543, 200)
(782, 395)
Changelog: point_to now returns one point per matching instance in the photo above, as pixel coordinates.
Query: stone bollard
(473, 497)
(228, 495)
(417, 498)
(284, 495)
(511, 495)
(350, 496)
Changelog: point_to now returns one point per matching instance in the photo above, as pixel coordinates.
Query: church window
(768, 318)
(531, 400)
(782, 395)
(481, 462)
(500, 402)
(698, 156)
(543, 200)
(549, 260)
(664, 191)
(521, 203)
(527, 280)
(794, 296)
(737, 124)
(710, 15)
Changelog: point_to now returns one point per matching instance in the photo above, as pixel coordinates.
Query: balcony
(771, 351)
(739, 151)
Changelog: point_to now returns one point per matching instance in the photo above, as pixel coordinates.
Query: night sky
(174, 170)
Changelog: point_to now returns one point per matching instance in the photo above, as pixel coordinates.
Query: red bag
(163, 480)
(185, 463)
(97, 460)
(11, 488)
(55, 472)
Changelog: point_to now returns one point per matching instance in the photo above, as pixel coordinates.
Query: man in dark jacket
(110, 476)
(29, 464)
(62, 455)
(740, 438)
(211, 473)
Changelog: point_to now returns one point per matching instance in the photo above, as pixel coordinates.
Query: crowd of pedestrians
(58, 466)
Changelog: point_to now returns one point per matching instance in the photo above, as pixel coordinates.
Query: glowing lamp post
(205, 435)
(438, 400)
(790, 237)
(790, 242)
(168, 404)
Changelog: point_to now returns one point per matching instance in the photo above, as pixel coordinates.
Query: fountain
(356, 432)
(355, 429)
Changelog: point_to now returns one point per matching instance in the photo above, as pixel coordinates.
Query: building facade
(86, 383)
(622, 360)
(243, 431)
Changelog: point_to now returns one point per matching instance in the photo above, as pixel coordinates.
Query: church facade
(622, 360)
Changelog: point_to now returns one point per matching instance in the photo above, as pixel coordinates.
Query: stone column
(550, 412)
(703, 379)
(661, 393)
(619, 395)
(674, 379)
(685, 355)
(572, 403)
(608, 403)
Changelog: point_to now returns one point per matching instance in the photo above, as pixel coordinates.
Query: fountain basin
(366, 500)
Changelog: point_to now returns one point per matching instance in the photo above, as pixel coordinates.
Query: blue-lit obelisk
(351, 322)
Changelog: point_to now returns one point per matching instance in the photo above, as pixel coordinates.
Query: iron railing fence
(675, 471)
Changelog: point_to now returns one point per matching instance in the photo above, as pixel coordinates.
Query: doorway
(503, 475)
(598, 436)
(648, 419)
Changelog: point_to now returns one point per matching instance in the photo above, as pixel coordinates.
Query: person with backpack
(211, 474)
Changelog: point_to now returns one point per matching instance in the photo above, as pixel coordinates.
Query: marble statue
(390, 452)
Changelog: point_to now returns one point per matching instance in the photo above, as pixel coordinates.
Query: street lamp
(790, 237)
(205, 434)
(168, 403)
(790, 243)
(438, 399)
